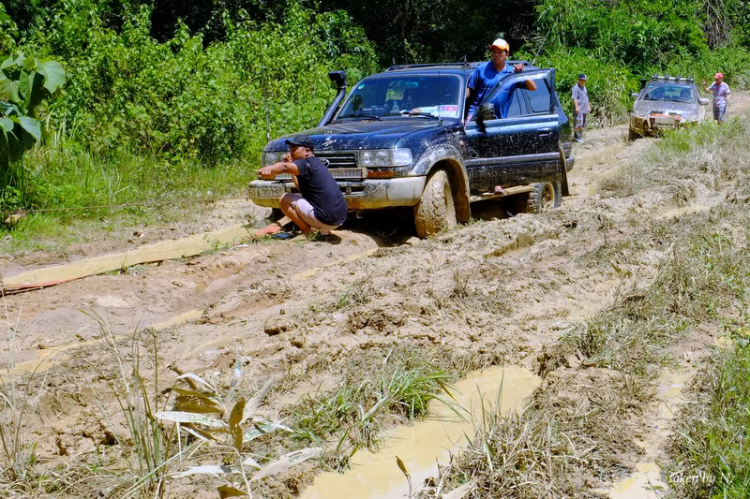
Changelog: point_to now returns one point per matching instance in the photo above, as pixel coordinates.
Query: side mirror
(703, 101)
(486, 112)
(338, 78)
(634, 95)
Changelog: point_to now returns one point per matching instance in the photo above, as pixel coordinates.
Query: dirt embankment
(506, 290)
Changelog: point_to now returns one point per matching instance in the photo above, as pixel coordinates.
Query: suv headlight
(385, 157)
(269, 158)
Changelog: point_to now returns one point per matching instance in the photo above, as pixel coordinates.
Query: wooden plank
(510, 191)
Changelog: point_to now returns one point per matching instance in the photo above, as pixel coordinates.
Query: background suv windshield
(401, 95)
(677, 93)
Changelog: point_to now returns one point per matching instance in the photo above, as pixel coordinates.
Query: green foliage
(185, 101)
(640, 34)
(24, 83)
(710, 444)
(608, 85)
(8, 31)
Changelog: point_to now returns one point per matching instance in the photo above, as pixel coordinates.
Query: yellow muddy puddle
(640, 484)
(307, 274)
(647, 477)
(425, 444)
(686, 210)
(601, 156)
(47, 358)
(165, 250)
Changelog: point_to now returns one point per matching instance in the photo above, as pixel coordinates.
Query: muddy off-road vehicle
(401, 139)
(665, 103)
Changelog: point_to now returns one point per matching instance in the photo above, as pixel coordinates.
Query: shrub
(183, 100)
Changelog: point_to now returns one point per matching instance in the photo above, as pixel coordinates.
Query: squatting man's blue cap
(582, 77)
(300, 140)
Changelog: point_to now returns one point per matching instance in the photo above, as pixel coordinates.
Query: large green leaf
(53, 72)
(31, 125)
(9, 91)
(7, 62)
(7, 124)
(26, 86)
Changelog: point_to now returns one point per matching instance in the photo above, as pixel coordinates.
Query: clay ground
(507, 289)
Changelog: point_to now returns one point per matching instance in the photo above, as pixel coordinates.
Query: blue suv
(401, 139)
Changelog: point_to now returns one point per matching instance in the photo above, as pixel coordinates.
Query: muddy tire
(545, 196)
(632, 135)
(436, 210)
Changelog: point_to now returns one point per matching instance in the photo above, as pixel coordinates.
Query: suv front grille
(343, 166)
(338, 160)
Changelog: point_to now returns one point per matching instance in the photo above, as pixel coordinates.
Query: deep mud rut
(505, 289)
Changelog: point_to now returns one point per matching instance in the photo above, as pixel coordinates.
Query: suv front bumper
(359, 195)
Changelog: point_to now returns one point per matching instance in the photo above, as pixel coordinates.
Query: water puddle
(307, 274)
(47, 358)
(599, 157)
(165, 250)
(425, 444)
(646, 481)
(687, 210)
(641, 484)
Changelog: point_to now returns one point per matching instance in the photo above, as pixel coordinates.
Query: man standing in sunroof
(488, 74)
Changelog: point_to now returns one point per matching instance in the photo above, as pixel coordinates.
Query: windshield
(425, 96)
(674, 93)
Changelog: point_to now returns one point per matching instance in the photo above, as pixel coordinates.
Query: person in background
(581, 107)
(488, 74)
(720, 91)
(321, 205)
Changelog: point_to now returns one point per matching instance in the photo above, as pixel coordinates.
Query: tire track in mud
(507, 287)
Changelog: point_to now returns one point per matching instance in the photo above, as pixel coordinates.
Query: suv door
(521, 145)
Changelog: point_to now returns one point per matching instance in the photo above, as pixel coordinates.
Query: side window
(539, 99)
(515, 108)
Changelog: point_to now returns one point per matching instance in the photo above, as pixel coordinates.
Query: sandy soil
(508, 288)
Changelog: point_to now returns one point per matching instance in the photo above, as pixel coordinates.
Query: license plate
(664, 122)
(267, 192)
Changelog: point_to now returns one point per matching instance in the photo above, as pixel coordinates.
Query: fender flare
(564, 167)
(450, 159)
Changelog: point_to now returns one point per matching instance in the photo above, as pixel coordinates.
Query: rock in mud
(278, 325)
(299, 342)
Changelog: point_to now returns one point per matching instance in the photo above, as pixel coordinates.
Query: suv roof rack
(467, 65)
(677, 79)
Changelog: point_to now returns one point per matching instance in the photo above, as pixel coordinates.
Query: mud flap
(565, 190)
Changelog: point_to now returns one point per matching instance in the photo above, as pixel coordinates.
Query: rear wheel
(545, 196)
(436, 210)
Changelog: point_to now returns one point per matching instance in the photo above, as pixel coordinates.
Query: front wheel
(436, 210)
(545, 196)
(632, 135)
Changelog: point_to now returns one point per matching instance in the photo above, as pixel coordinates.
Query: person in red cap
(320, 204)
(488, 74)
(720, 91)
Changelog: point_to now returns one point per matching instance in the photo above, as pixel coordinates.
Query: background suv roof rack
(678, 78)
(468, 65)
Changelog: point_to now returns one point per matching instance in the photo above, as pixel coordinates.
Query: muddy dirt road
(501, 291)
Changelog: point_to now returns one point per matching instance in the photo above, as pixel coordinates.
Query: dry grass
(709, 154)
(582, 424)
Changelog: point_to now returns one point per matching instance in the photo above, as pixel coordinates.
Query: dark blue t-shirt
(320, 189)
(482, 80)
